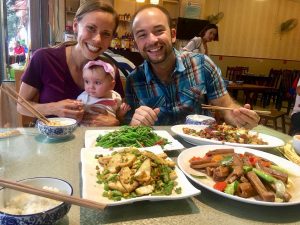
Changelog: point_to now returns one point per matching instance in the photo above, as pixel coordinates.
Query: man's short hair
(148, 6)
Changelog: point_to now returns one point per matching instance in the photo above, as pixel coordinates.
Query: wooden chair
(23, 121)
(275, 83)
(235, 73)
(273, 117)
(287, 93)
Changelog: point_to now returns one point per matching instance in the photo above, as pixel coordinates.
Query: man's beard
(154, 60)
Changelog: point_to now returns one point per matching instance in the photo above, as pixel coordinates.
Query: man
(170, 85)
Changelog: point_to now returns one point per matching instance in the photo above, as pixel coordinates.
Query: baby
(99, 82)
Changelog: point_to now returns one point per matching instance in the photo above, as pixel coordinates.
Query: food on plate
(55, 123)
(9, 133)
(127, 136)
(226, 133)
(245, 175)
(24, 204)
(130, 173)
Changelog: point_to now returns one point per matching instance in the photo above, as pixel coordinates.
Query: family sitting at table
(167, 87)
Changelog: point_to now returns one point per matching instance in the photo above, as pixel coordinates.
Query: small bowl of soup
(58, 127)
(296, 143)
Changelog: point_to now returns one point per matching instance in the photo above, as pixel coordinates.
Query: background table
(31, 155)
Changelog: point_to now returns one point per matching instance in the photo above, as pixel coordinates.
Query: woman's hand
(67, 108)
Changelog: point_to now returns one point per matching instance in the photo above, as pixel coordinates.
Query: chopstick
(24, 103)
(204, 106)
(52, 195)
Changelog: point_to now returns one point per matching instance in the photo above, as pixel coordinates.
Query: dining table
(31, 154)
(250, 91)
(252, 78)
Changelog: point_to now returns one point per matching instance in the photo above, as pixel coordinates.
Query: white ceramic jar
(296, 143)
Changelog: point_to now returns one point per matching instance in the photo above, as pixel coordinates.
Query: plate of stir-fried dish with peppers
(128, 175)
(243, 174)
(225, 134)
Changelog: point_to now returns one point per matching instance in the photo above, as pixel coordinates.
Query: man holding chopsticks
(170, 85)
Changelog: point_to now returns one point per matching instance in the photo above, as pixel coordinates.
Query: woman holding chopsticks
(55, 74)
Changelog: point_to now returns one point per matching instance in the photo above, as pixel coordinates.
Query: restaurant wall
(248, 34)
(250, 28)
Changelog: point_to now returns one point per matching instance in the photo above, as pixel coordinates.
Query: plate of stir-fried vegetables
(225, 134)
(128, 175)
(243, 174)
(131, 136)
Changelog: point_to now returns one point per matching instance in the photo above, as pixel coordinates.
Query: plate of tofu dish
(243, 174)
(128, 175)
(131, 136)
(225, 134)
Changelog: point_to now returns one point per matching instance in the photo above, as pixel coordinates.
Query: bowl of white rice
(26, 209)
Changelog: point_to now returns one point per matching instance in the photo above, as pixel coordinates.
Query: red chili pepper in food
(195, 159)
(160, 142)
(220, 186)
(253, 160)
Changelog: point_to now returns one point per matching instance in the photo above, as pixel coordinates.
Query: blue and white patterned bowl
(47, 217)
(199, 120)
(66, 128)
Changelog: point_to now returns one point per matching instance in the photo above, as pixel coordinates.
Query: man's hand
(144, 115)
(245, 117)
(239, 116)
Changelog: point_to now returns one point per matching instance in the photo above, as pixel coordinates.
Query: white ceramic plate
(293, 169)
(177, 129)
(91, 136)
(93, 191)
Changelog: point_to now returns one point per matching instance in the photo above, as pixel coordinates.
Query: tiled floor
(259, 106)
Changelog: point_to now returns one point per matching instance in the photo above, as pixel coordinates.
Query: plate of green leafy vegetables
(129, 136)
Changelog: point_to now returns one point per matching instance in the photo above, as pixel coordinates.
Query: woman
(199, 44)
(295, 115)
(55, 74)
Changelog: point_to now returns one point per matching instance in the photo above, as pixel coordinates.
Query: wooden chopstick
(263, 112)
(52, 195)
(25, 104)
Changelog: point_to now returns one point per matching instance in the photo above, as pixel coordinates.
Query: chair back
(275, 78)
(23, 121)
(234, 73)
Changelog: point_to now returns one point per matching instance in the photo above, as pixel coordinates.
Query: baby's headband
(106, 66)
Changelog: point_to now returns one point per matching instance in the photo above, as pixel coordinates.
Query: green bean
(127, 136)
(264, 175)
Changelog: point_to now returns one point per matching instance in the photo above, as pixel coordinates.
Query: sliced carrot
(265, 163)
(217, 158)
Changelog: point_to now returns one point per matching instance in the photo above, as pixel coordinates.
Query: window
(15, 36)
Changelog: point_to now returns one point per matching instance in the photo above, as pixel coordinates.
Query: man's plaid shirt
(193, 74)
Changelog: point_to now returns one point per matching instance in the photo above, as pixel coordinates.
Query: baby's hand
(124, 108)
